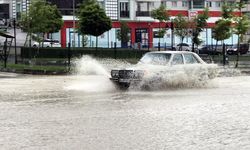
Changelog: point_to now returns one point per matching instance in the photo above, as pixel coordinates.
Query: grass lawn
(21, 67)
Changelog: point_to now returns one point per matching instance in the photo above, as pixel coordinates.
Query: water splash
(228, 72)
(95, 73)
(166, 77)
(89, 66)
(92, 75)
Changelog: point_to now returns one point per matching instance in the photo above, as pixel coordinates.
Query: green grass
(218, 58)
(21, 67)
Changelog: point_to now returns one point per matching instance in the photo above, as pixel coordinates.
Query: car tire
(123, 86)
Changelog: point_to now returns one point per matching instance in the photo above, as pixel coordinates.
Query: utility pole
(74, 25)
(172, 35)
(14, 22)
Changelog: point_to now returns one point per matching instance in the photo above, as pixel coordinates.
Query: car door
(177, 59)
(190, 59)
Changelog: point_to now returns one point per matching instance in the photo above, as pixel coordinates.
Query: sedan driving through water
(159, 67)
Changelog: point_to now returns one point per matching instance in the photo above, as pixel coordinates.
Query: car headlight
(138, 74)
(114, 73)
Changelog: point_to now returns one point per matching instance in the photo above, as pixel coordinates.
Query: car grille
(130, 74)
(125, 74)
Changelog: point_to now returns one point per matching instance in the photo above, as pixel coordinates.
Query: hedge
(27, 52)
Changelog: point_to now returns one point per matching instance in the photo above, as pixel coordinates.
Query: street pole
(74, 25)
(69, 57)
(159, 44)
(172, 35)
(14, 21)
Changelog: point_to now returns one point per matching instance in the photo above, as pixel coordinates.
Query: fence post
(5, 53)
(69, 56)
(224, 54)
(115, 50)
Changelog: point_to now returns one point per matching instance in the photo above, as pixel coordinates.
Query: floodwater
(86, 111)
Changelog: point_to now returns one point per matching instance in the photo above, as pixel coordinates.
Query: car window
(177, 59)
(155, 58)
(51, 41)
(182, 44)
(190, 59)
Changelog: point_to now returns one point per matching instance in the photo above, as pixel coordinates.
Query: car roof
(172, 52)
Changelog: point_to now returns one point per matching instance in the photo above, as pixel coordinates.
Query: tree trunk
(43, 39)
(238, 53)
(26, 40)
(180, 48)
(96, 44)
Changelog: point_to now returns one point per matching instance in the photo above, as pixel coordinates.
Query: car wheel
(123, 86)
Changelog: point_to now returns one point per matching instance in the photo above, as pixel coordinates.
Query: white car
(160, 64)
(182, 47)
(47, 43)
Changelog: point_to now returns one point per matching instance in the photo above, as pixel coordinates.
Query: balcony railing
(143, 13)
(198, 6)
(124, 14)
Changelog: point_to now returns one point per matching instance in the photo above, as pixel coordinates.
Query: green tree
(223, 27)
(162, 15)
(227, 10)
(200, 23)
(222, 30)
(242, 25)
(40, 19)
(182, 26)
(93, 19)
(123, 34)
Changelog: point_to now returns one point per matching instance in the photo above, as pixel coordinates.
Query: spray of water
(88, 65)
(169, 77)
(93, 75)
(228, 72)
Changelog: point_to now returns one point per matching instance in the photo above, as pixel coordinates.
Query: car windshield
(156, 58)
(182, 44)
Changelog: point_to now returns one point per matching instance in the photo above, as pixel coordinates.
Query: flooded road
(87, 112)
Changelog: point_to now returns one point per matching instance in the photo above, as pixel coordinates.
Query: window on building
(164, 3)
(111, 9)
(124, 9)
(18, 10)
(209, 4)
(184, 4)
(174, 3)
(198, 3)
(4, 11)
(144, 8)
(65, 6)
(217, 4)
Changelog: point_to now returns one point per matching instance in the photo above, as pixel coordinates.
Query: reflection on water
(87, 112)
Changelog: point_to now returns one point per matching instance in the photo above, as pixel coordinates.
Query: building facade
(137, 14)
(12, 9)
(143, 27)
